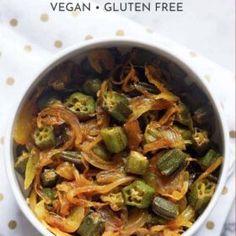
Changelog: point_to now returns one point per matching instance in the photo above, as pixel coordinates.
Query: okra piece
(150, 178)
(91, 86)
(47, 98)
(44, 137)
(165, 208)
(138, 194)
(200, 140)
(184, 116)
(210, 157)
(200, 194)
(72, 157)
(117, 105)
(171, 161)
(185, 133)
(49, 193)
(149, 87)
(136, 163)
(102, 152)
(21, 162)
(114, 139)
(92, 225)
(115, 200)
(154, 219)
(82, 105)
(49, 178)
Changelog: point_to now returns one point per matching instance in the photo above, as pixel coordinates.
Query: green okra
(49, 193)
(114, 139)
(91, 86)
(200, 194)
(49, 178)
(171, 161)
(44, 137)
(184, 116)
(71, 156)
(185, 133)
(115, 200)
(200, 140)
(82, 105)
(20, 164)
(165, 208)
(138, 194)
(101, 151)
(92, 225)
(117, 105)
(136, 163)
(47, 98)
(210, 157)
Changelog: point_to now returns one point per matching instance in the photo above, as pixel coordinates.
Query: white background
(205, 26)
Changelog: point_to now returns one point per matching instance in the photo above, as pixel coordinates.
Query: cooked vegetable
(115, 200)
(49, 193)
(21, 162)
(165, 208)
(91, 86)
(71, 156)
(138, 194)
(171, 161)
(114, 139)
(47, 98)
(155, 219)
(134, 134)
(208, 159)
(201, 115)
(30, 171)
(200, 194)
(101, 151)
(44, 137)
(136, 163)
(184, 116)
(92, 225)
(156, 133)
(117, 105)
(49, 178)
(101, 60)
(185, 133)
(200, 140)
(80, 104)
(117, 144)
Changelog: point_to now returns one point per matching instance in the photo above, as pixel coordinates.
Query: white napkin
(29, 31)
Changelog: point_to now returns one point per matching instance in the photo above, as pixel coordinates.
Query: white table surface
(205, 26)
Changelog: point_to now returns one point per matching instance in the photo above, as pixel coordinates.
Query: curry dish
(116, 144)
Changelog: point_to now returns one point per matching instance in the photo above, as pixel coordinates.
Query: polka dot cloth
(39, 33)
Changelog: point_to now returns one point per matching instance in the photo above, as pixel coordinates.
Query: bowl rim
(109, 42)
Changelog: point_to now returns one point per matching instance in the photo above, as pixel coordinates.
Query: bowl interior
(184, 80)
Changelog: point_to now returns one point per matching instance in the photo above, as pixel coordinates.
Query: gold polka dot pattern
(12, 224)
(120, 33)
(210, 224)
(44, 17)
(58, 43)
(13, 22)
(10, 81)
(232, 134)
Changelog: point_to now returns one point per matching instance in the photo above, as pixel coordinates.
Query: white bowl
(80, 49)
